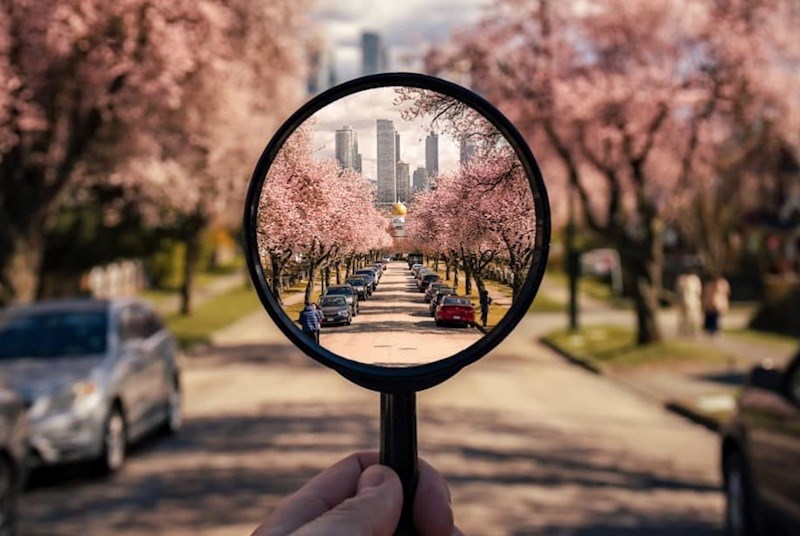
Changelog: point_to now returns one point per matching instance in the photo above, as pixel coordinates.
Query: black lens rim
(418, 377)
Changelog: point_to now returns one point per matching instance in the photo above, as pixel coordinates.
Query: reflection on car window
(456, 301)
(53, 334)
(332, 300)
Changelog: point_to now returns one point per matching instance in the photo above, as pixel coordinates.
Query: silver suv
(95, 376)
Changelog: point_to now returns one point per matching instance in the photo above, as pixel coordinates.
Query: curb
(677, 408)
(583, 363)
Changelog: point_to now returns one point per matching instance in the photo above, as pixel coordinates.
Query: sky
(407, 28)
(361, 111)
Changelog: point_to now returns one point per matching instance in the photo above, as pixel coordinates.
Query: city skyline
(360, 112)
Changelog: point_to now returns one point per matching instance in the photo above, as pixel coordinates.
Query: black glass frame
(417, 377)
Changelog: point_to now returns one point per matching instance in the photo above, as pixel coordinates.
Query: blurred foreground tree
(634, 102)
(168, 100)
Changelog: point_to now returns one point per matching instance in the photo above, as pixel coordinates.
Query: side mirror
(767, 378)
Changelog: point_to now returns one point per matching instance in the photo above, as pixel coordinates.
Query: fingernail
(373, 477)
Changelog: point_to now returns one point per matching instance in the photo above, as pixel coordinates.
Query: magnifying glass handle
(399, 449)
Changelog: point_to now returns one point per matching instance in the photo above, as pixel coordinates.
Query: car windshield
(331, 301)
(356, 282)
(53, 334)
(340, 290)
(455, 301)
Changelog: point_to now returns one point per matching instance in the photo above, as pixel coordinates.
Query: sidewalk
(220, 285)
(704, 390)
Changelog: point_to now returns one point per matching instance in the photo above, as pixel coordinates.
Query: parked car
(432, 288)
(455, 310)
(335, 310)
(13, 456)
(761, 452)
(415, 267)
(96, 376)
(349, 293)
(439, 296)
(361, 285)
(426, 280)
(372, 279)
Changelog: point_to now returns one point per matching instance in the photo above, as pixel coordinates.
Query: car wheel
(174, 417)
(739, 508)
(438, 324)
(8, 499)
(114, 442)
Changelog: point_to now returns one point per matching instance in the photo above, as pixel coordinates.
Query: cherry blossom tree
(630, 102)
(312, 209)
(162, 98)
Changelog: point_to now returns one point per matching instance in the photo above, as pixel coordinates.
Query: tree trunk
(312, 274)
(642, 263)
(338, 274)
(277, 270)
(467, 274)
(20, 265)
(447, 269)
(192, 239)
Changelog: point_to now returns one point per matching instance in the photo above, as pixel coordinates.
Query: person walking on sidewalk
(690, 309)
(485, 300)
(310, 321)
(716, 302)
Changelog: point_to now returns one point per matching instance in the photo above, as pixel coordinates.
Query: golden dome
(399, 209)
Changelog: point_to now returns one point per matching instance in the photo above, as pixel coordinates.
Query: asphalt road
(394, 327)
(529, 445)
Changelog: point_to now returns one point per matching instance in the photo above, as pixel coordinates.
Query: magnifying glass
(396, 230)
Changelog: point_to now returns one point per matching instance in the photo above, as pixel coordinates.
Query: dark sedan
(361, 285)
(761, 454)
(349, 293)
(334, 310)
(372, 279)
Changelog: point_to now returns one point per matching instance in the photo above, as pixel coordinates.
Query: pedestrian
(716, 301)
(485, 302)
(690, 308)
(310, 321)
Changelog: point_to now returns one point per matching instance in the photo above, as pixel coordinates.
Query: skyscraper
(403, 182)
(373, 53)
(467, 150)
(386, 161)
(432, 154)
(347, 148)
(420, 178)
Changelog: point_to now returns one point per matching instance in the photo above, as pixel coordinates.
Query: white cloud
(407, 28)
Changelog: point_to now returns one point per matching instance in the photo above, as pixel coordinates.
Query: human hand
(359, 497)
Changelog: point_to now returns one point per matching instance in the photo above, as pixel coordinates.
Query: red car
(455, 310)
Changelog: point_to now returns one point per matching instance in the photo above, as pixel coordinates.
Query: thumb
(373, 511)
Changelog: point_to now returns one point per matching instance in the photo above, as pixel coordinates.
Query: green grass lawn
(592, 288)
(545, 304)
(616, 347)
(161, 297)
(213, 315)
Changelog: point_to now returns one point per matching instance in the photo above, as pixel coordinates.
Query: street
(529, 445)
(395, 328)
